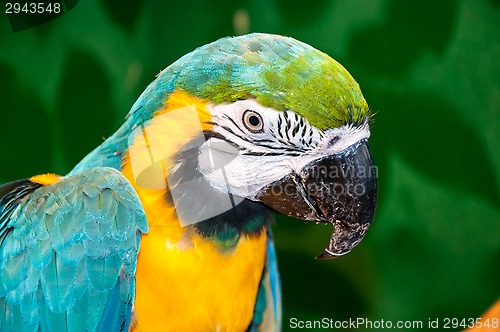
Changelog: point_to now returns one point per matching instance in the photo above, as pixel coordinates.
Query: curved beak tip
(325, 255)
(340, 189)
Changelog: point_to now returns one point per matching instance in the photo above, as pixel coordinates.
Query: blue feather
(268, 310)
(67, 256)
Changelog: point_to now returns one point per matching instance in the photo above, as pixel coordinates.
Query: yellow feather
(183, 282)
(46, 179)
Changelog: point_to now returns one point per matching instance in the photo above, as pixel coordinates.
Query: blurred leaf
(410, 28)
(435, 139)
(84, 106)
(329, 291)
(436, 250)
(26, 129)
(297, 12)
(124, 13)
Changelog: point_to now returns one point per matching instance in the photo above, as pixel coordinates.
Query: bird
(167, 224)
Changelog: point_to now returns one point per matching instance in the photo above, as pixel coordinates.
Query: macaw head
(259, 118)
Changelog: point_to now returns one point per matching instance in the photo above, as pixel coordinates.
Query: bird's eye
(253, 121)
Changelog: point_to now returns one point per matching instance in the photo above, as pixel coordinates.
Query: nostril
(334, 140)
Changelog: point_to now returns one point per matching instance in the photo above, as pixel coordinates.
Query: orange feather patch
(46, 179)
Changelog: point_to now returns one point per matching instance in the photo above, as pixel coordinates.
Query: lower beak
(340, 189)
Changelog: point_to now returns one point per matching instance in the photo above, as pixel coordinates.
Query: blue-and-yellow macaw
(165, 225)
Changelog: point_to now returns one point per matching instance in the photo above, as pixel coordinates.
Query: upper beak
(340, 189)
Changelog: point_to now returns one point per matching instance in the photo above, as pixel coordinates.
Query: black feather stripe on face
(225, 229)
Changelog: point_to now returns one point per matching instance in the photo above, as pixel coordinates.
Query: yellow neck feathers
(183, 282)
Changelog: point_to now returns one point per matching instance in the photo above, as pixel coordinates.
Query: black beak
(340, 189)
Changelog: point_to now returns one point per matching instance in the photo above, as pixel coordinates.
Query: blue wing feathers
(11, 195)
(267, 311)
(113, 320)
(68, 253)
(275, 283)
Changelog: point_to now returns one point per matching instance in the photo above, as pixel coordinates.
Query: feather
(67, 256)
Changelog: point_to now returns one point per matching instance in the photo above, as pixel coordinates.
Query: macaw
(166, 225)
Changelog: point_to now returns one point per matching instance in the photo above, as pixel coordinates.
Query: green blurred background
(429, 69)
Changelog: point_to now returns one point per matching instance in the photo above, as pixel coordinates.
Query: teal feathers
(69, 253)
(279, 72)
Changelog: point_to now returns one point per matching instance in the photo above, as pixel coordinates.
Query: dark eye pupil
(254, 120)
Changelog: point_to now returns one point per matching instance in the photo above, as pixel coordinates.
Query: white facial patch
(241, 160)
(338, 139)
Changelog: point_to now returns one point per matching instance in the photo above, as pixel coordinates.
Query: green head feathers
(279, 72)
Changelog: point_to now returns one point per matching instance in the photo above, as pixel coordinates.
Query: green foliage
(429, 70)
